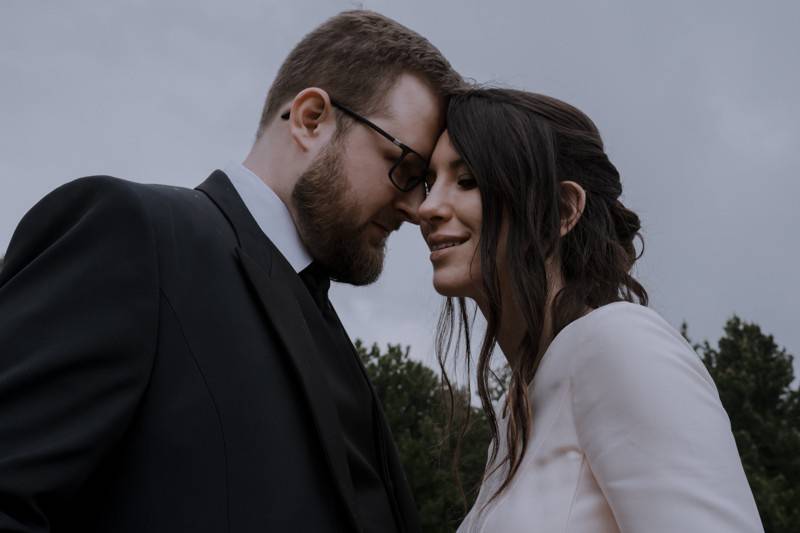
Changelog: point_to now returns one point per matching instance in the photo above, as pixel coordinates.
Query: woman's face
(450, 221)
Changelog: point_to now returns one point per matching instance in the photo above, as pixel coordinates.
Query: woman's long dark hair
(519, 147)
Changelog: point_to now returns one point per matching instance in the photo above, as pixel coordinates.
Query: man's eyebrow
(384, 113)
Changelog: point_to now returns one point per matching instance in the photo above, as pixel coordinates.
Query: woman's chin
(450, 287)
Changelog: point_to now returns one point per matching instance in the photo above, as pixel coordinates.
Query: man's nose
(408, 203)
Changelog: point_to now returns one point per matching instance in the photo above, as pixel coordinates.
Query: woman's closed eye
(467, 182)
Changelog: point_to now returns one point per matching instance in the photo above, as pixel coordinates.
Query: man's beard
(327, 220)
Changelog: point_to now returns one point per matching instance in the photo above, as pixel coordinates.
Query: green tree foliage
(754, 379)
(417, 408)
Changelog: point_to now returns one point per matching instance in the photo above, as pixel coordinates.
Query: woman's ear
(311, 118)
(573, 202)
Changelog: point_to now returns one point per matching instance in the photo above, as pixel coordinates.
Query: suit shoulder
(116, 197)
(99, 182)
(89, 193)
(183, 211)
(80, 212)
(113, 188)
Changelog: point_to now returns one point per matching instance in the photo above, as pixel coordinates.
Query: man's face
(346, 205)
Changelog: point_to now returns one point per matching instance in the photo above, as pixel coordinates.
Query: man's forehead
(418, 131)
(411, 92)
(407, 114)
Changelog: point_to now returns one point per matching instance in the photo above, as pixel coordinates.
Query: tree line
(753, 375)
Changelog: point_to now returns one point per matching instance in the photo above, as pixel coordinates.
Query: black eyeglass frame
(413, 183)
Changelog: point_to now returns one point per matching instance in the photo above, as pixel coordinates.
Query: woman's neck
(511, 326)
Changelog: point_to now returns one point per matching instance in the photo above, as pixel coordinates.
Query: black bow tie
(318, 282)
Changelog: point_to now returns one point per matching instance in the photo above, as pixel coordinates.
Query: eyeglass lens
(409, 171)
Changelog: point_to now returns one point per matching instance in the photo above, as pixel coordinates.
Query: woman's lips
(440, 252)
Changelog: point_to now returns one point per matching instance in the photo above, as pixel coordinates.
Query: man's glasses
(409, 169)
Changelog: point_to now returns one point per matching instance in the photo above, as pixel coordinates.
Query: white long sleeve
(628, 435)
(650, 422)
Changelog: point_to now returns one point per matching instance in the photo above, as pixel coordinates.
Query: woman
(611, 423)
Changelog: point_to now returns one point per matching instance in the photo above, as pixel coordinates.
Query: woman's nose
(435, 207)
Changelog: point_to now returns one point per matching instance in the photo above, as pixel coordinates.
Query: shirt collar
(270, 213)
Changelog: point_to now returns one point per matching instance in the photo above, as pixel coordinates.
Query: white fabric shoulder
(650, 422)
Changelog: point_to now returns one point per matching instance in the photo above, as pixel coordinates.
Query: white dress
(628, 435)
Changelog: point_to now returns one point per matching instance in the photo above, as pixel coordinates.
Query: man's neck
(265, 161)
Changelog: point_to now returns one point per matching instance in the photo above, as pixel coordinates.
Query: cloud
(696, 102)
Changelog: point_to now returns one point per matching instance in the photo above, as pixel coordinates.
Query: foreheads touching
(346, 134)
(356, 65)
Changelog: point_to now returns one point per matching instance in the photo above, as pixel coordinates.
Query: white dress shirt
(270, 213)
(628, 435)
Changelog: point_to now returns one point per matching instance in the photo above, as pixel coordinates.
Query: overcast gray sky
(696, 102)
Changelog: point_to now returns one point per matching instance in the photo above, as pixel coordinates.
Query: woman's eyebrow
(452, 166)
(457, 163)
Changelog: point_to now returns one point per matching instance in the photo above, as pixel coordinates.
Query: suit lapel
(405, 508)
(269, 274)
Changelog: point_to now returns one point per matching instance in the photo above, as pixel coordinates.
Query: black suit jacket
(156, 373)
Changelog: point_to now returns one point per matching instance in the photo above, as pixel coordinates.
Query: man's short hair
(357, 56)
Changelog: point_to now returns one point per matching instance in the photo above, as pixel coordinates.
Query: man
(169, 360)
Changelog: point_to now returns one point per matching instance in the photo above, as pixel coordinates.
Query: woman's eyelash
(466, 181)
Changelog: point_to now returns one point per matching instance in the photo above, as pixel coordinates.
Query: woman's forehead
(445, 157)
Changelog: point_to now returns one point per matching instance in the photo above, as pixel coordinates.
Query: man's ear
(311, 118)
(573, 202)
